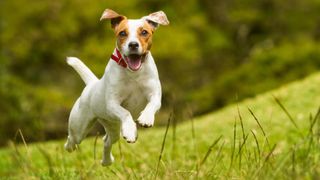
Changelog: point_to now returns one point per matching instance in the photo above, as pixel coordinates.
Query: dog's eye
(122, 34)
(144, 33)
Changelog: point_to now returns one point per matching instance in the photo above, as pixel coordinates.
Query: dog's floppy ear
(156, 18)
(114, 16)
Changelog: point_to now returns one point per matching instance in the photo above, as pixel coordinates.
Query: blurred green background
(213, 53)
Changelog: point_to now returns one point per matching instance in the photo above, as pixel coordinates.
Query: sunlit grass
(274, 135)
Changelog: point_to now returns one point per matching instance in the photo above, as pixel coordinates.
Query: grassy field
(274, 135)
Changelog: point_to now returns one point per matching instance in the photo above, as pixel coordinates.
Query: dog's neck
(118, 58)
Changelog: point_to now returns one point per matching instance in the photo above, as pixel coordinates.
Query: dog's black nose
(133, 45)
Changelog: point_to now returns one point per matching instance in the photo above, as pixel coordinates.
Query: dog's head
(134, 36)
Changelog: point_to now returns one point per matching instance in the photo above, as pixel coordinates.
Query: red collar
(117, 57)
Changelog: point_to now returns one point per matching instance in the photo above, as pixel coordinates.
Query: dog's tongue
(134, 62)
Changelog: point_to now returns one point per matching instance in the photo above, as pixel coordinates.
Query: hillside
(276, 149)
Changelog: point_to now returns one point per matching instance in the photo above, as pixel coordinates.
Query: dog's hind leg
(80, 122)
(107, 158)
(111, 137)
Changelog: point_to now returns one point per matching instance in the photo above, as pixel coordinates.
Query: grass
(275, 135)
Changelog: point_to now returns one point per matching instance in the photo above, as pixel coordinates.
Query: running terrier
(129, 90)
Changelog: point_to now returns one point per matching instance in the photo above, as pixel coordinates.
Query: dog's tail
(85, 73)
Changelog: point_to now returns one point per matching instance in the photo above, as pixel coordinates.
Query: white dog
(129, 89)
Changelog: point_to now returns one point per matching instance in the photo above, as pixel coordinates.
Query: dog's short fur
(123, 94)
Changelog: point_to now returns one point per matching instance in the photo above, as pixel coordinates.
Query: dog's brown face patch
(128, 31)
(144, 34)
(122, 33)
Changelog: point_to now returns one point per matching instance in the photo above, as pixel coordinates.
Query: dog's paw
(129, 131)
(69, 146)
(107, 162)
(146, 119)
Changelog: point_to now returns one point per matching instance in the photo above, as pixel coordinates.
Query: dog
(129, 90)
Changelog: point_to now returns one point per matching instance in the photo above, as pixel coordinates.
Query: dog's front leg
(128, 126)
(146, 118)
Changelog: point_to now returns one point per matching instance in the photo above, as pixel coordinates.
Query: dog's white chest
(134, 98)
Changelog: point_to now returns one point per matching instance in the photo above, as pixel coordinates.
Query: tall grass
(252, 156)
(247, 153)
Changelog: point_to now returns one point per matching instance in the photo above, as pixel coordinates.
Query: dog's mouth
(134, 61)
